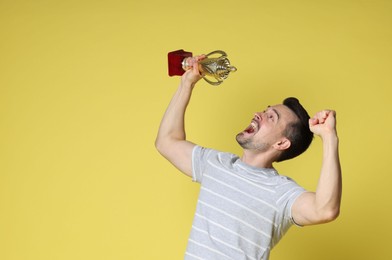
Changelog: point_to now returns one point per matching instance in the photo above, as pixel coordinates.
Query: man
(245, 206)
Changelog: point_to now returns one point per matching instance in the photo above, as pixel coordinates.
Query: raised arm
(171, 139)
(323, 205)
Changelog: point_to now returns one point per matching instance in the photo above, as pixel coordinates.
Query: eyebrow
(275, 111)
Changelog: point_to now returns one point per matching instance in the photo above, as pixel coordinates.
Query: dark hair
(297, 132)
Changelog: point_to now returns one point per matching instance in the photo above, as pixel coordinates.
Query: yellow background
(83, 86)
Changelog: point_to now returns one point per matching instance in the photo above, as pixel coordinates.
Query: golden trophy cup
(214, 69)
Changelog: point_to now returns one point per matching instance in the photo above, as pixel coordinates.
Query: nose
(258, 116)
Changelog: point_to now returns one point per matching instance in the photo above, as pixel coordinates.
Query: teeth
(253, 125)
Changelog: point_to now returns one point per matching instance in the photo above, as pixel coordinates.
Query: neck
(257, 159)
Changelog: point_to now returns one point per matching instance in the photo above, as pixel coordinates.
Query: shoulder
(288, 189)
(204, 153)
(286, 181)
(207, 160)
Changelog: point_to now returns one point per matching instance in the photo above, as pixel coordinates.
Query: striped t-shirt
(242, 211)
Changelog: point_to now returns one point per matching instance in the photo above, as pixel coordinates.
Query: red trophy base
(175, 59)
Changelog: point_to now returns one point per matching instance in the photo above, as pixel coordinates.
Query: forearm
(329, 189)
(172, 124)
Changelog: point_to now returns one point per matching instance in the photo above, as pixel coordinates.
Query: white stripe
(233, 217)
(203, 153)
(193, 165)
(244, 193)
(230, 231)
(222, 242)
(239, 205)
(194, 256)
(291, 192)
(238, 177)
(243, 168)
(209, 248)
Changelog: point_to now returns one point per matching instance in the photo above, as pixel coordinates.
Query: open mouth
(253, 127)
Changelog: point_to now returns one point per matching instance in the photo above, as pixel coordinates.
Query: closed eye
(274, 112)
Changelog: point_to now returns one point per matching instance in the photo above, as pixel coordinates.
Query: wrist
(187, 85)
(330, 138)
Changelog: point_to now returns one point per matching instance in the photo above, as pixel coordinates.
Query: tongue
(249, 130)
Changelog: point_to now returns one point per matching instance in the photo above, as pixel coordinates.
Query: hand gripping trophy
(215, 68)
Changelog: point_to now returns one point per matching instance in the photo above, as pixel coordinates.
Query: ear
(282, 144)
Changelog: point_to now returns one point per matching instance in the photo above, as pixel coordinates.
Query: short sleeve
(289, 191)
(200, 156)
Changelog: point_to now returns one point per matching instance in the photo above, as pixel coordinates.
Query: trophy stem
(186, 64)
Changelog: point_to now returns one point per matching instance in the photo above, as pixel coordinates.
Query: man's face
(266, 128)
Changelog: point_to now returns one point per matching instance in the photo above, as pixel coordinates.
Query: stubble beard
(249, 144)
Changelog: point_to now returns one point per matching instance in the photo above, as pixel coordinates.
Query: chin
(242, 141)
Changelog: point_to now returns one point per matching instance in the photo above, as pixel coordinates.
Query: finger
(332, 113)
(200, 57)
(313, 121)
(189, 62)
(195, 69)
(321, 116)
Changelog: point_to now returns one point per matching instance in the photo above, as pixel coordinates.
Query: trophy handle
(217, 52)
(214, 83)
(213, 71)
